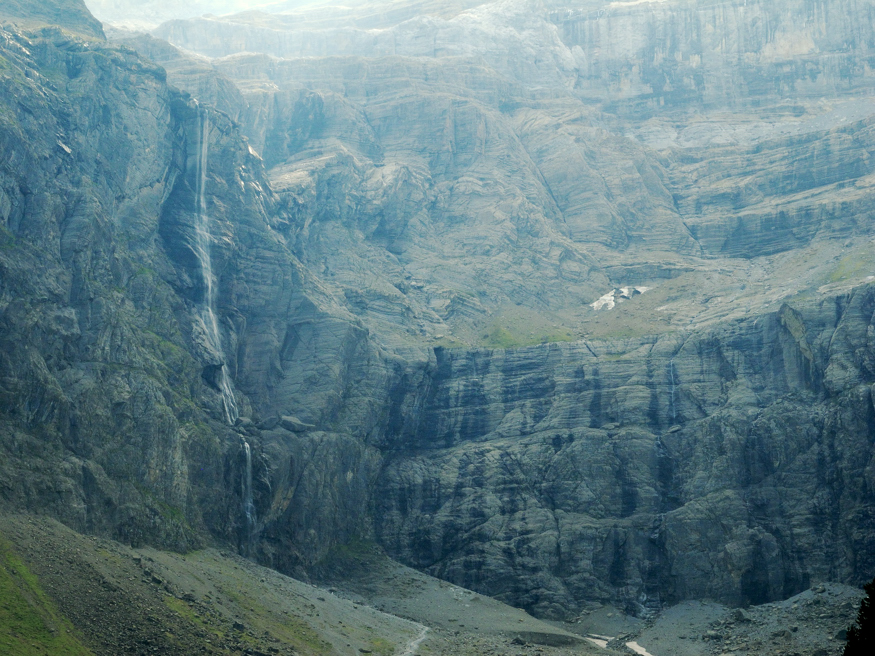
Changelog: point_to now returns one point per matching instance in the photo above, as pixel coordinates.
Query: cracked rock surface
(411, 214)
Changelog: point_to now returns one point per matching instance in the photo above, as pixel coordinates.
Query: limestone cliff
(72, 15)
(563, 302)
(722, 464)
(139, 246)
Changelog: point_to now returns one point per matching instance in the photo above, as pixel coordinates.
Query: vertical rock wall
(733, 464)
(647, 57)
(731, 461)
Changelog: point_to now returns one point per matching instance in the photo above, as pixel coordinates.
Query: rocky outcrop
(131, 218)
(91, 374)
(546, 187)
(73, 15)
(556, 474)
(354, 293)
(733, 464)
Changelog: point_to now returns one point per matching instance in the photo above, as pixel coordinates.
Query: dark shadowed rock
(295, 425)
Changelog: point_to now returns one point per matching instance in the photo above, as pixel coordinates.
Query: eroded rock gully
(404, 249)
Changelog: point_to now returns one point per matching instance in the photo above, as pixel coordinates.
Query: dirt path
(134, 602)
(413, 645)
(139, 602)
(811, 623)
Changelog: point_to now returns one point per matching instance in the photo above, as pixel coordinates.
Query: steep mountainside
(139, 243)
(73, 16)
(502, 170)
(562, 302)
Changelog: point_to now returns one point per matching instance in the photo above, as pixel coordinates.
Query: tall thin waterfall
(246, 494)
(202, 248)
(671, 404)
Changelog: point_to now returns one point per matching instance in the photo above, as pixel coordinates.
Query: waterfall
(246, 494)
(671, 404)
(202, 248)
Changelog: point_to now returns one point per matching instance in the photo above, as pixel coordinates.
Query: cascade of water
(246, 493)
(674, 413)
(202, 247)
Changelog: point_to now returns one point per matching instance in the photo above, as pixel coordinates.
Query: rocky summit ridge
(568, 303)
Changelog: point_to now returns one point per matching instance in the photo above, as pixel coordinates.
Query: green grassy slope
(29, 622)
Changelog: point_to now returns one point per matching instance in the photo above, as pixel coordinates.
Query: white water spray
(202, 248)
(246, 492)
(674, 413)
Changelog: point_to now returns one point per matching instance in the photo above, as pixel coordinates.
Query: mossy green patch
(382, 647)
(185, 610)
(501, 337)
(7, 239)
(29, 622)
(852, 266)
(8, 118)
(167, 349)
(287, 629)
(356, 555)
(170, 514)
(355, 548)
(55, 75)
(145, 272)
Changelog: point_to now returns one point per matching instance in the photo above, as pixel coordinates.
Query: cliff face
(73, 15)
(87, 401)
(468, 283)
(724, 464)
(645, 57)
(139, 248)
(508, 141)
(717, 154)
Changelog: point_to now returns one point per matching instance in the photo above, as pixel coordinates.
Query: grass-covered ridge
(29, 622)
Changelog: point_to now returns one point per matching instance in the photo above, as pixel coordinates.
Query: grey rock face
(718, 465)
(644, 469)
(111, 410)
(85, 419)
(427, 250)
(643, 59)
(490, 204)
(72, 14)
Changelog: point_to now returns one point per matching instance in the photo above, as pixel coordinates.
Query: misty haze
(411, 327)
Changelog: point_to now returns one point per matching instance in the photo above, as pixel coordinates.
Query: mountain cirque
(409, 214)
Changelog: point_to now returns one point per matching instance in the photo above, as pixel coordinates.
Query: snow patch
(638, 649)
(602, 641)
(605, 301)
(610, 300)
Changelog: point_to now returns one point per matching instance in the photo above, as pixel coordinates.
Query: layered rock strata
(406, 248)
(723, 464)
